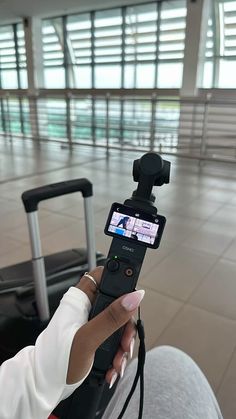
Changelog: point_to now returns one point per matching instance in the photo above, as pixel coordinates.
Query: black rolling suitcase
(31, 291)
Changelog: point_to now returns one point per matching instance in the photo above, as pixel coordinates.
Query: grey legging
(175, 388)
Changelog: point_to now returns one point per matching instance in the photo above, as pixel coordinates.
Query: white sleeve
(34, 381)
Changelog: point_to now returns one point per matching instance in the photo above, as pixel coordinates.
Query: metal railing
(203, 128)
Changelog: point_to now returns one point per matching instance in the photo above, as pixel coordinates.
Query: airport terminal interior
(87, 87)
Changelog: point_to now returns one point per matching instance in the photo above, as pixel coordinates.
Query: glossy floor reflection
(190, 281)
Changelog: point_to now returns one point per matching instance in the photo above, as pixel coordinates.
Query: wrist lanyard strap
(139, 373)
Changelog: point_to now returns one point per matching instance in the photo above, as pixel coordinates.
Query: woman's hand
(90, 336)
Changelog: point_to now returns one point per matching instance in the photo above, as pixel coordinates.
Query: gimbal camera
(129, 243)
(134, 226)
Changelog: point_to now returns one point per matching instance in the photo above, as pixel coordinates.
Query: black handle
(32, 197)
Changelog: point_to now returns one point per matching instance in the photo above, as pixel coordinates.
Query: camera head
(144, 224)
(150, 170)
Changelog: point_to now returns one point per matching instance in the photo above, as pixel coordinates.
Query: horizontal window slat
(51, 49)
(53, 55)
(4, 60)
(108, 54)
(78, 47)
(6, 53)
(171, 42)
(51, 60)
(172, 31)
(230, 38)
(230, 25)
(111, 60)
(229, 13)
(107, 27)
(79, 31)
(173, 57)
(230, 48)
(8, 66)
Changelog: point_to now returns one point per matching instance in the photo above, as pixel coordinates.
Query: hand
(90, 336)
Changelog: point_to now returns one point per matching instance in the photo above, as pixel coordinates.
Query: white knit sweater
(34, 381)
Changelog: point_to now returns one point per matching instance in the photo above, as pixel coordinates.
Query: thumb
(112, 318)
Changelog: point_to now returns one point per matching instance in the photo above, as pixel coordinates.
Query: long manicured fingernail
(123, 366)
(131, 348)
(131, 301)
(113, 379)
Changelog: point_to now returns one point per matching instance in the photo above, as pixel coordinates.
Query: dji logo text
(130, 249)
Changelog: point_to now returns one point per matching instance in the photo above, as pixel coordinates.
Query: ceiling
(13, 10)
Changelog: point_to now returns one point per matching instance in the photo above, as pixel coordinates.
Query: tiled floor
(190, 281)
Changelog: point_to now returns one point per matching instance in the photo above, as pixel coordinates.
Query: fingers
(123, 354)
(87, 286)
(119, 366)
(128, 338)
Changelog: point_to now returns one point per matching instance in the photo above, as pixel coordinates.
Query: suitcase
(31, 291)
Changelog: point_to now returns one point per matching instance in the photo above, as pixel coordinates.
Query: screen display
(135, 225)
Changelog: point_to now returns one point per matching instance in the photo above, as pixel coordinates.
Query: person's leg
(175, 388)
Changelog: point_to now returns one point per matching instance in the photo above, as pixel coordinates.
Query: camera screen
(135, 225)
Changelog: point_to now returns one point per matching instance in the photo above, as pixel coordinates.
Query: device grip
(32, 197)
(106, 352)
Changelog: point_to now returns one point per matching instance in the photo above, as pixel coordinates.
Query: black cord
(142, 362)
(140, 371)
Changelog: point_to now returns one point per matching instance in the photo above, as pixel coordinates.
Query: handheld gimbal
(134, 226)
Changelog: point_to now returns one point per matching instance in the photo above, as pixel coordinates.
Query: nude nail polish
(131, 301)
(113, 379)
(123, 366)
(131, 348)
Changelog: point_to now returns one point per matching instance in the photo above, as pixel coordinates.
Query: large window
(220, 56)
(108, 49)
(171, 44)
(140, 46)
(14, 113)
(79, 50)
(208, 69)
(141, 24)
(12, 57)
(53, 53)
(227, 62)
(130, 47)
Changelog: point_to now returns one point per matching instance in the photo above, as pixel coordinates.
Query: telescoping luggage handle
(31, 200)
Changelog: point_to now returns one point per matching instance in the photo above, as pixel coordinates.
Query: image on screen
(133, 228)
